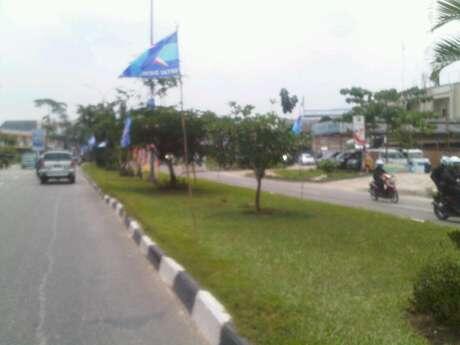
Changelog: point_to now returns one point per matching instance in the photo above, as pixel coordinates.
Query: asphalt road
(69, 274)
(416, 208)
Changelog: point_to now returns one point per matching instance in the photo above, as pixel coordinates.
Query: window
(57, 157)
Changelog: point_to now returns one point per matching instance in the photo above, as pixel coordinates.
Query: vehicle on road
(306, 159)
(56, 165)
(417, 161)
(28, 160)
(445, 207)
(389, 192)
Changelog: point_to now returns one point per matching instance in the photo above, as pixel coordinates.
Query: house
(21, 131)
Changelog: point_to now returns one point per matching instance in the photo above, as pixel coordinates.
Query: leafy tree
(162, 86)
(446, 51)
(236, 109)
(397, 111)
(256, 142)
(222, 135)
(56, 122)
(7, 140)
(101, 121)
(163, 128)
(288, 103)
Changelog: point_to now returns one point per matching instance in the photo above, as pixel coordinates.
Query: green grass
(300, 273)
(313, 174)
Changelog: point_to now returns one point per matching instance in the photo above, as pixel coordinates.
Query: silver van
(56, 165)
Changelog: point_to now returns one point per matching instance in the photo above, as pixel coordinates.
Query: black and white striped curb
(210, 316)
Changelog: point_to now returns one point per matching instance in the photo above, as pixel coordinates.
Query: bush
(437, 291)
(327, 166)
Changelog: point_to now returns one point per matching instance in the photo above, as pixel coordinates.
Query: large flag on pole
(126, 137)
(297, 126)
(160, 61)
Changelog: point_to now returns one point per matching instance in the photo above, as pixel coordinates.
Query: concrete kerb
(210, 317)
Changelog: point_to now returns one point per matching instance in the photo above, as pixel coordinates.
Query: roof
(19, 126)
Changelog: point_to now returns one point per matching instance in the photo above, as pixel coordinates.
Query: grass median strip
(299, 273)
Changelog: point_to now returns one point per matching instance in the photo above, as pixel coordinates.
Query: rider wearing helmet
(445, 178)
(439, 173)
(379, 171)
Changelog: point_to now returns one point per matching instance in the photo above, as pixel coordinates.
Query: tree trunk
(152, 177)
(194, 171)
(259, 185)
(172, 175)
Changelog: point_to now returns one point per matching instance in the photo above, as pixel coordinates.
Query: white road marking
(39, 331)
(418, 220)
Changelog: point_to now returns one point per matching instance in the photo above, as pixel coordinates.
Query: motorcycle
(389, 191)
(444, 208)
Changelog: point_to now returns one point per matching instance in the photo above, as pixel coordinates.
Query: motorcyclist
(379, 171)
(445, 178)
(438, 174)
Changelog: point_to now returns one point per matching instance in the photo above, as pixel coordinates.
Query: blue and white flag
(297, 127)
(126, 137)
(160, 61)
(92, 142)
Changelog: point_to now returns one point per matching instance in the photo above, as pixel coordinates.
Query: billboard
(38, 140)
(359, 130)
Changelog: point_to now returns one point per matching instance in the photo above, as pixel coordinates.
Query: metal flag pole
(152, 42)
(186, 152)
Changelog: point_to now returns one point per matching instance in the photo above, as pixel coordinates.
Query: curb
(208, 314)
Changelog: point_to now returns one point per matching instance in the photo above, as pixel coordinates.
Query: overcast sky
(242, 50)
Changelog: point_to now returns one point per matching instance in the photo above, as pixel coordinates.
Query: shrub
(437, 291)
(327, 166)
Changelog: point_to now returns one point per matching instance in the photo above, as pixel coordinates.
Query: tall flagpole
(186, 152)
(152, 41)
(151, 23)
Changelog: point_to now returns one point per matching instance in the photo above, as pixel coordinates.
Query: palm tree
(446, 51)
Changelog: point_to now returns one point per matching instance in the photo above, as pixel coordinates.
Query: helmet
(379, 162)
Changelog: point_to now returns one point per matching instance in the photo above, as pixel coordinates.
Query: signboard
(38, 140)
(359, 130)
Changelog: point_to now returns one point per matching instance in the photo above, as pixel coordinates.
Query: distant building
(331, 136)
(310, 117)
(445, 102)
(21, 130)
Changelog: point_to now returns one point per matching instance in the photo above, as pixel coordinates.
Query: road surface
(417, 208)
(69, 274)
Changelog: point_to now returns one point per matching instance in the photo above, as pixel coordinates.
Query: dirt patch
(434, 332)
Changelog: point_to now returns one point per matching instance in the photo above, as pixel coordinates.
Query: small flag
(297, 127)
(125, 137)
(160, 61)
(92, 142)
(151, 104)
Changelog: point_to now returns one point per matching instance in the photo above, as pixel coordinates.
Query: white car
(306, 159)
(56, 165)
(417, 161)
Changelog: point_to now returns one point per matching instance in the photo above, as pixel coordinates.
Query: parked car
(341, 159)
(28, 160)
(394, 159)
(306, 159)
(417, 161)
(56, 165)
(328, 156)
(354, 161)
